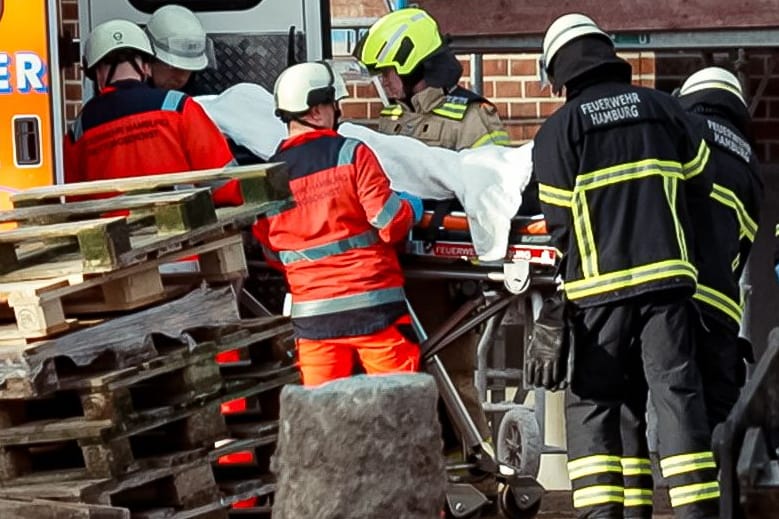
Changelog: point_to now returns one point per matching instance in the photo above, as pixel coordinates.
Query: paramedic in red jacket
(130, 128)
(336, 244)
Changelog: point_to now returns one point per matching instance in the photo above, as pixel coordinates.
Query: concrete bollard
(358, 448)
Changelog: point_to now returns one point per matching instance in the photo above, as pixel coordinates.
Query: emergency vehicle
(250, 39)
(30, 96)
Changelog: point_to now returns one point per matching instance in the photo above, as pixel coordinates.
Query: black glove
(546, 358)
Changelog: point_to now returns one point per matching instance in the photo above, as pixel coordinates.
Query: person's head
(407, 49)
(180, 46)
(715, 90)
(576, 50)
(307, 96)
(117, 50)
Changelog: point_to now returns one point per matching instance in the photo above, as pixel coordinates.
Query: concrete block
(362, 447)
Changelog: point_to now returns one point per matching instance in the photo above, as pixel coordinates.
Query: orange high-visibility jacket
(336, 243)
(132, 129)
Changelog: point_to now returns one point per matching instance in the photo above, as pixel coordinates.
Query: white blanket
(488, 181)
(245, 113)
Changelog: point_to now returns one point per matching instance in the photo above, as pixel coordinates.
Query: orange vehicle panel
(26, 151)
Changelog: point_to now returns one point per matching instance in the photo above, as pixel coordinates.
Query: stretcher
(440, 248)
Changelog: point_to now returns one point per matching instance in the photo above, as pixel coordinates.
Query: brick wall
(511, 82)
(71, 76)
(360, 9)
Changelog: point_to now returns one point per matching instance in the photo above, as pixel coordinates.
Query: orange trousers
(386, 351)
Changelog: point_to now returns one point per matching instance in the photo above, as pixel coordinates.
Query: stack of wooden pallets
(126, 391)
(69, 257)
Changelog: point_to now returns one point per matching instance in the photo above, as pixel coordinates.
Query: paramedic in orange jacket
(132, 129)
(336, 244)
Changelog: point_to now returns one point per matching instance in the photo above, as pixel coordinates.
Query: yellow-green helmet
(402, 39)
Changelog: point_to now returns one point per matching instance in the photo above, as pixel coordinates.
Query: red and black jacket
(336, 243)
(132, 129)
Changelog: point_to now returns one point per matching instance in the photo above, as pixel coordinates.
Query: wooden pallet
(36, 370)
(107, 244)
(46, 509)
(44, 307)
(83, 237)
(151, 493)
(257, 183)
(108, 424)
(260, 357)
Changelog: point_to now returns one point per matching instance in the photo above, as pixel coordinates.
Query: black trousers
(722, 368)
(621, 351)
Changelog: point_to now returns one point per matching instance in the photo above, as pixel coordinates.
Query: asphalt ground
(557, 505)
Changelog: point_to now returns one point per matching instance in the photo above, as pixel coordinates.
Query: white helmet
(114, 35)
(713, 77)
(305, 85)
(178, 38)
(564, 29)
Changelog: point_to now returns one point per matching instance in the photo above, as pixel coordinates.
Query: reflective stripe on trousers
(344, 303)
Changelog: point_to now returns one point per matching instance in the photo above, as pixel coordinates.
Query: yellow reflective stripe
(696, 165)
(638, 497)
(636, 466)
(586, 241)
(455, 107)
(451, 110)
(597, 495)
(719, 301)
(725, 196)
(776, 230)
(499, 137)
(628, 171)
(590, 465)
(736, 262)
(554, 195)
(394, 112)
(688, 494)
(669, 186)
(682, 463)
(629, 277)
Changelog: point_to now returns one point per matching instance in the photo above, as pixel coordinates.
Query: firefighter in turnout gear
(620, 174)
(336, 245)
(419, 73)
(716, 104)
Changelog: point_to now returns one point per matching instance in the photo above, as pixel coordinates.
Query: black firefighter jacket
(737, 192)
(621, 175)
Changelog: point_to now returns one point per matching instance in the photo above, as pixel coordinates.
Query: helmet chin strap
(134, 63)
(336, 121)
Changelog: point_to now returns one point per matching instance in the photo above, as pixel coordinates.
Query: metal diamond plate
(252, 58)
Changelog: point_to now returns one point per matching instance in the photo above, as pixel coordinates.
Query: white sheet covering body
(488, 181)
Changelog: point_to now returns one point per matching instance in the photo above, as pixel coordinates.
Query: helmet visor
(185, 53)
(543, 77)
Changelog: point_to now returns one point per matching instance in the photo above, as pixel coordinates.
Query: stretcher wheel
(510, 509)
(519, 441)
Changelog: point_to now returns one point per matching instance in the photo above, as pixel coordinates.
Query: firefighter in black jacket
(620, 175)
(716, 105)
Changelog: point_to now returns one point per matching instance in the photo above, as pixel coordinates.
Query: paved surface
(557, 505)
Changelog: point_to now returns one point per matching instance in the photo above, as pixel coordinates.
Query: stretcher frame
(524, 274)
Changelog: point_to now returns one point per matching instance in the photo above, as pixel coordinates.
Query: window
(345, 39)
(27, 141)
(149, 6)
